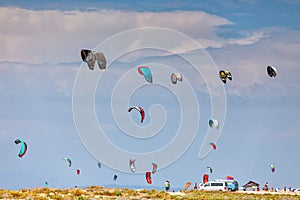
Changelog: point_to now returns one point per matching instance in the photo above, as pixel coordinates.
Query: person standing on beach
(167, 184)
(195, 186)
(266, 187)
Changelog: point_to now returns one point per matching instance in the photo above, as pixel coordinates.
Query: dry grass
(97, 192)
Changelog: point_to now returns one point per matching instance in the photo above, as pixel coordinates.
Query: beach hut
(251, 184)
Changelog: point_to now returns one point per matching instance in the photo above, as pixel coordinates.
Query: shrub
(80, 198)
(78, 192)
(118, 193)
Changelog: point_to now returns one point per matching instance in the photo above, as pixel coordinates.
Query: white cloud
(56, 36)
(248, 39)
(248, 63)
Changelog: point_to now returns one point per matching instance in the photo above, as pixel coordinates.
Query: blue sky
(40, 63)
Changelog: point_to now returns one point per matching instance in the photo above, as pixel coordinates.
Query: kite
(141, 110)
(132, 165)
(224, 75)
(187, 185)
(148, 177)
(272, 72)
(78, 171)
(115, 177)
(154, 168)
(213, 145)
(229, 178)
(210, 169)
(176, 77)
(23, 149)
(213, 123)
(99, 165)
(205, 178)
(272, 168)
(69, 161)
(146, 72)
(46, 184)
(90, 57)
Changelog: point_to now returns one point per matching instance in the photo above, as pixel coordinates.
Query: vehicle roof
(225, 180)
(216, 181)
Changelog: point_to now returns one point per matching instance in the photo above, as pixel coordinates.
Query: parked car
(232, 185)
(214, 186)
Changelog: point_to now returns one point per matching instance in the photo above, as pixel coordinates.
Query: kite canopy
(272, 72)
(187, 185)
(272, 168)
(68, 160)
(205, 178)
(23, 149)
(99, 165)
(224, 75)
(210, 169)
(115, 177)
(78, 171)
(176, 77)
(141, 110)
(154, 168)
(90, 57)
(146, 72)
(213, 123)
(148, 177)
(213, 145)
(229, 178)
(132, 165)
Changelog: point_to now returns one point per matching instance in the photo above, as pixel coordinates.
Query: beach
(98, 192)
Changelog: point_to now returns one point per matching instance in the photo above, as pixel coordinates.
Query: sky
(51, 100)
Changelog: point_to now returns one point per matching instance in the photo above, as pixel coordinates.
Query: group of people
(266, 188)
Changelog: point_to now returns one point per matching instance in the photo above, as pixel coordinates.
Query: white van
(232, 185)
(214, 186)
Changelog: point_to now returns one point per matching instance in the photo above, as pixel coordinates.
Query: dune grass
(98, 192)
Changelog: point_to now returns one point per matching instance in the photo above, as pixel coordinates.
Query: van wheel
(229, 189)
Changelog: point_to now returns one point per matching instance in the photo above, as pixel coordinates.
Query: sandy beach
(98, 192)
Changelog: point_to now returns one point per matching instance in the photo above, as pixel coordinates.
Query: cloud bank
(52, 36)
(56, 36)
